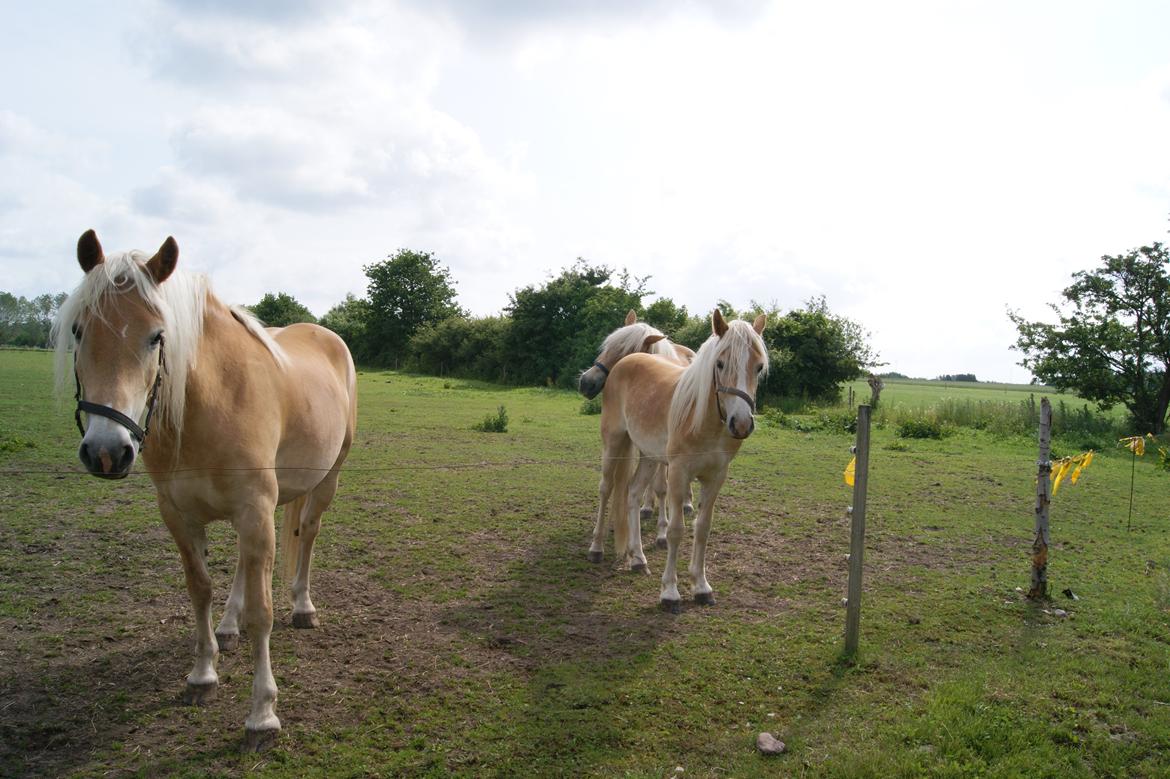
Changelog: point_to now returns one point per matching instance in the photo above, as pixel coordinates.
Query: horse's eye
(759, 367)
(76, 331)
(157, 338)
(719, 364)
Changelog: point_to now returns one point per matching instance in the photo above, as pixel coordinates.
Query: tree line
(548, 333)
(26, 322)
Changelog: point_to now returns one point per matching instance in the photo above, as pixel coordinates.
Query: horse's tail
(290, 536)
(619, 514)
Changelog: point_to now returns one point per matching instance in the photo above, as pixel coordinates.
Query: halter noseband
(719, 388)
(604, 370)
(96, 409)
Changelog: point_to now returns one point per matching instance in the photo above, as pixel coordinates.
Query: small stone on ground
(769, 744)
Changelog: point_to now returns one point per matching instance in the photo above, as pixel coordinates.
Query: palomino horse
(631, 338)
(245, 419)
(694, 419)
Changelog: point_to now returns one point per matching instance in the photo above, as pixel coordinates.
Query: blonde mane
(629, 339)
(688, 407)
(181, 302)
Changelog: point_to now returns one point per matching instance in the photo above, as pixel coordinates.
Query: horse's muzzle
(737, 428)
(590, 384)
(104, 464)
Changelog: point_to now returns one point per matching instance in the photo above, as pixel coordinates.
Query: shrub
(592, 406)
(922, 427)
(493, 423)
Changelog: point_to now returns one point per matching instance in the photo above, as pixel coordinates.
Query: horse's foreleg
(227, 634)
(257, 539)
(304, 613)
(700, 588)
(597, 548)
(191, 538)
(676, 488)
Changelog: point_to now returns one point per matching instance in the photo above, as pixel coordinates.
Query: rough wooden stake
(1039, 589)
(857, 534)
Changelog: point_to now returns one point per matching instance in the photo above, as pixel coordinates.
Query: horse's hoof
(645, 513)
(661, 543)
(228, 642)
(640, 568)
(199, 694)
(595, 557)
(305, 620)
(673, 606)
(260, 740)
(705, 598)
(688, 509)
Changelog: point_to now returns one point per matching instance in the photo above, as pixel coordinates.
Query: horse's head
(117, 328)
(740, 358)
(634, 336)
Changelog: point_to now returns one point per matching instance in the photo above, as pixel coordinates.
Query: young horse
(245, 419)
(693, 419)
(631, 338)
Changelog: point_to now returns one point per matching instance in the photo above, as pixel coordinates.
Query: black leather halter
(604, 370)
(719, 388)
(96, 409)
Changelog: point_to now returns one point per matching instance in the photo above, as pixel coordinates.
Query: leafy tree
(350, 319)
(665, 315)
(281, 310)
(813, 351)
(557, 328)
(474, 348)
(25, 322)
(1111, 343)
(406, 291)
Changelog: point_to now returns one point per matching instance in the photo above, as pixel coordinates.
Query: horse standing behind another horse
(247, 419)
(692, 419)
(631, 338)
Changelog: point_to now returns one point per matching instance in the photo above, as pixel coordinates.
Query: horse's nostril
(127, 458)
(84, 455)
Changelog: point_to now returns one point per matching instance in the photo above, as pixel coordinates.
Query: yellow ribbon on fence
(849, 470)
(1064, 465)
(1136, 443)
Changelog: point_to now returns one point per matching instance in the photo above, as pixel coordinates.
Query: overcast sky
(924, 165)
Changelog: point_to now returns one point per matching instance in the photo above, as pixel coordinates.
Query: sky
(925, 166)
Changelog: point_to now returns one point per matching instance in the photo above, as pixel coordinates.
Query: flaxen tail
(290, 536)
(619, 513)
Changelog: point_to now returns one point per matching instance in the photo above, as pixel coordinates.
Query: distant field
(465, 634)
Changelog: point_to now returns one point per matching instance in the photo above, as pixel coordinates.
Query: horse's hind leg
(658, 485)
(640, 481)
(227, 634)
(191, 539)
(304, 614)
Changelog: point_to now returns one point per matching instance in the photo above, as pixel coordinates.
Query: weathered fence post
(1039, 589)
(857, 533)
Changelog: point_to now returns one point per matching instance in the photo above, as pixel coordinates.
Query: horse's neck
(223, 351)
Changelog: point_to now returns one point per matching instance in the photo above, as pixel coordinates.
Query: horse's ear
(89, 251)
(631, 317)
(760, 323)
(650, 341)
(162, 264)
(718, 323)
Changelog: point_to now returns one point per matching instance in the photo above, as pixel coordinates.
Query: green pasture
(465, 634)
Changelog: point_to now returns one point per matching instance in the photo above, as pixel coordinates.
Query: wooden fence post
(1039, 589)
(857, 533)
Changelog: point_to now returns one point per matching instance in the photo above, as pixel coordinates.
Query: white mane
(697, 381)
(180, 301)
(629, 339)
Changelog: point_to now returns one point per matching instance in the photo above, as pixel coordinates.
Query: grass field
(464, 634)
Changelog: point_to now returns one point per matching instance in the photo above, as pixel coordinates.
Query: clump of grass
(591, 406)
(493, 423)
(15, 444)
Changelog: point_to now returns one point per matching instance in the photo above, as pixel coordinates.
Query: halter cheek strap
(96, 409)
(602, 367)
(719, 388)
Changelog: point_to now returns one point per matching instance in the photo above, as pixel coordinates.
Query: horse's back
(637, 399)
